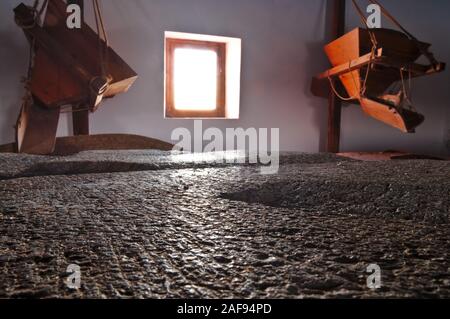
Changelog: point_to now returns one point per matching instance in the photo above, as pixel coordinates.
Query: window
(198, 70)
(195, 78)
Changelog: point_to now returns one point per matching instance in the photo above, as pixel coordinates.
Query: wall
(282, 48)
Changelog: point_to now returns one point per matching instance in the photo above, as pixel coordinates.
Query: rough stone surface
(156, 225)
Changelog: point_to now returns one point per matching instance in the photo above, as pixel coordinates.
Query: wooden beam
(36, 128)
(378, 59)
(80, 116)
(80, 121)
(334, 103)
(351, 65)
(416, 69)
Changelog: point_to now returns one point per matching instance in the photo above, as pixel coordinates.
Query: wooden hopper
(357, 43)
(403, 119)
(67, 70)
(395, 53)
(68, 60)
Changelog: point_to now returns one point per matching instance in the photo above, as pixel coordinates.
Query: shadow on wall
(14, 55)
(315, 56)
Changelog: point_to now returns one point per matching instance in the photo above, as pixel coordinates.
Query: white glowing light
(195, 79)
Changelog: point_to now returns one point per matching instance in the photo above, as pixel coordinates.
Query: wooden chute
(71, 67)
(373, 66)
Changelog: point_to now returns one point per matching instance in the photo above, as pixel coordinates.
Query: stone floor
(155, 225)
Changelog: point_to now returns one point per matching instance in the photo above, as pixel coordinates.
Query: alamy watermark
(374, 279)
(73, 281)
(374, 18)
(255, 142)
(73, 20)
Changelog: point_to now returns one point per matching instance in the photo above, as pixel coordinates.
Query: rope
(98, 33)
(372, 57)
(404, 90)
(101, 31)
(105, 36)
(350, 98)
(41, 11)
(373, 39)
(424, 51)
(391, 17)
(363, 87)
(429, 55)
(35, 4)
(37, 17)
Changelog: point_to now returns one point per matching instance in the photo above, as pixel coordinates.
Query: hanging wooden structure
(70, 68)
(374, 67)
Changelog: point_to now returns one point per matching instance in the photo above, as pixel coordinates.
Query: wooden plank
(73, 58)
(80, 120)
(404, 120)
(120, 73)
(36, 128)
(80, 116)
(415, 68)
(51, 45)
(346, 48)
(351, 65)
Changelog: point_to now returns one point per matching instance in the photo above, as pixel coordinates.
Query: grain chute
(375, 67)
(71, 70)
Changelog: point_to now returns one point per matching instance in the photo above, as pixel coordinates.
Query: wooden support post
(334, 103)
(80, 116)
(36, 128)
(80, 121)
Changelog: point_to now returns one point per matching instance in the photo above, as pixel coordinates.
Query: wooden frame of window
(220, 49)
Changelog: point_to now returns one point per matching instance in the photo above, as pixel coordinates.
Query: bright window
(202, 76)
(195, 79)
